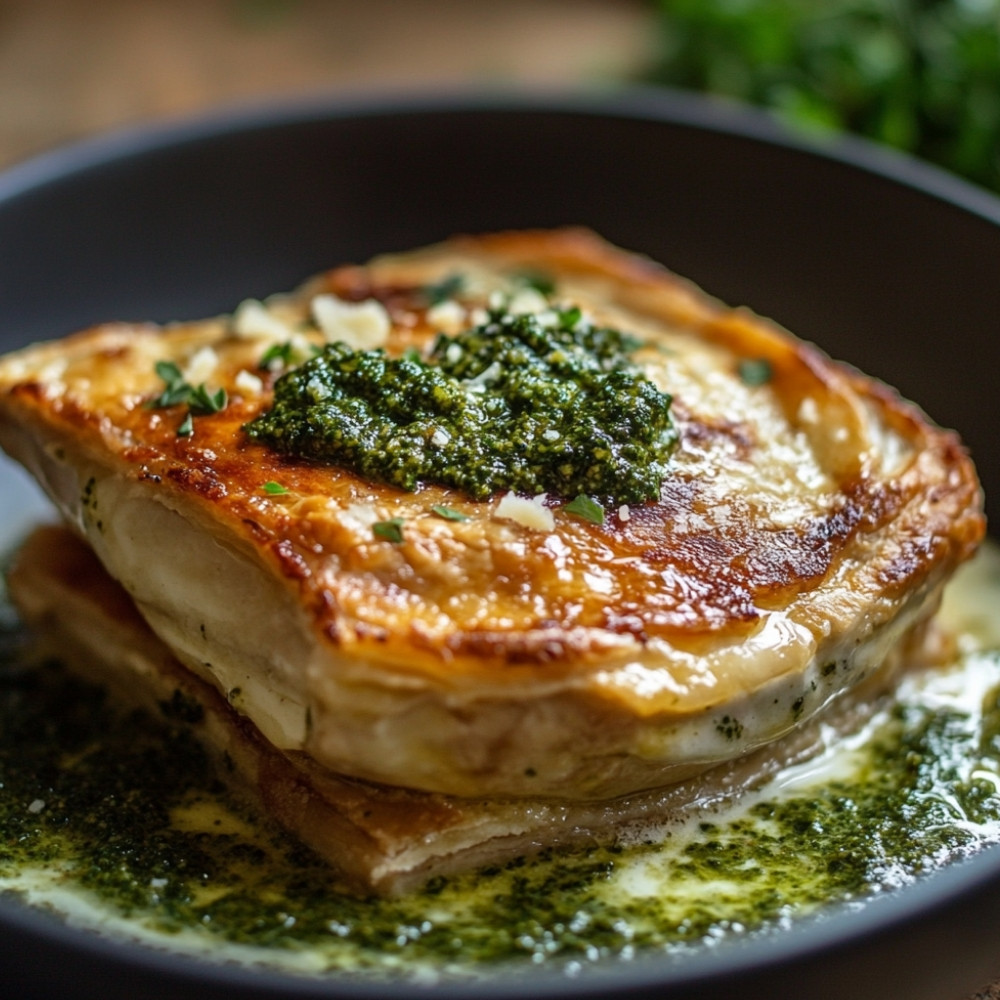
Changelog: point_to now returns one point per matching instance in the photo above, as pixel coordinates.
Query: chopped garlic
(531, 513)
(248, 383)
(253, 319)
(527, 300)
(624, 513)
(808, 411)
(363, 326)
(202, 366)
(448, 316)
(358, 517)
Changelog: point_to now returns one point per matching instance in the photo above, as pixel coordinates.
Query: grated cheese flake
(248, 383)
(253, 319)
(448, 316)
(363, 326)
(202, 366)
(528, 512)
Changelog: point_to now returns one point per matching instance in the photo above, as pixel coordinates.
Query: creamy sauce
(118, 822)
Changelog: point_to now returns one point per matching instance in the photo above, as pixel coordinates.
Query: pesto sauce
(518, 403)
(129, 808)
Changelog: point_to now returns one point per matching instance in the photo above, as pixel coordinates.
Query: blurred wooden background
(70, 69)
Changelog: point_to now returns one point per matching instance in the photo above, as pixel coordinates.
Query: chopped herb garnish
(178, 390)
(169, 372)
(449, 514)
(540, 282)
(755, 371)
(443, 290)
(203, 402)
(276, 352)
(569, 318)
(586, 508)
(287, 354)
(275, 489)
(391, 530)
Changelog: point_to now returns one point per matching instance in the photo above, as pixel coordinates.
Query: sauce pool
(117, 821)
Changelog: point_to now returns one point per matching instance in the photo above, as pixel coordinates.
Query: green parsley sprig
(449, 513)
(754, 372)
(200, 401)
(585, 508)
(390, 531)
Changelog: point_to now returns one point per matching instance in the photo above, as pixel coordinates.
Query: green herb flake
(537, 280)
(276, 356)
(586, 508)
(391, 530)
(203, 402)
(169, 372)
(441, 291)
(755, 371)
(449, 513)
(274, 489)
(570, 318)
(200, 401)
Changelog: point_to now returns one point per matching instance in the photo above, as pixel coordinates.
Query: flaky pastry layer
(378, 839)
(805, 526)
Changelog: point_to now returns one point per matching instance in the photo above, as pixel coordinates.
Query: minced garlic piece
(363, 326)
(527, 301)
(202, 366)
(248, 383)
(253, 319)
(447, 316)
(531, 513)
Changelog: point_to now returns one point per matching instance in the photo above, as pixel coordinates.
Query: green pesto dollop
(518, 403)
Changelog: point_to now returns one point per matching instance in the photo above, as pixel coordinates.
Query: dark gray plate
(883, 261)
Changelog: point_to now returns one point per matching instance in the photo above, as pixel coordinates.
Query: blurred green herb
(447, 288)
(755, 371)
(391, 530)
(919, 75)
(586, 508)
(449, 513)
(200, 401)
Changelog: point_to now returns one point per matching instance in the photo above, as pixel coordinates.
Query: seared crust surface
(376, 838)
(805, 526)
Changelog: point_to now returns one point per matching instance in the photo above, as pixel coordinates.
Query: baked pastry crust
(377, 838)
(805, 527)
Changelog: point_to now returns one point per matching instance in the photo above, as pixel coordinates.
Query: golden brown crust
(819, 507)
(378, 839)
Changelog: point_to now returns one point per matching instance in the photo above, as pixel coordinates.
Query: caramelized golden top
(776, 489)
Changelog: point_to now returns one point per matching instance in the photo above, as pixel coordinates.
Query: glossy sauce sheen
(804, 529)
(173, 860)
